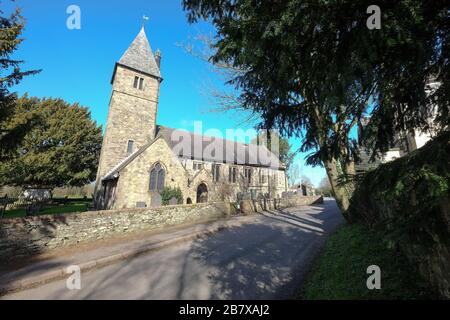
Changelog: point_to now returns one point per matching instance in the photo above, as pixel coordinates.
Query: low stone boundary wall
(253, 206)
(23, 237)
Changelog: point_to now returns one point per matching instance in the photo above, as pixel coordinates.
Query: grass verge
(340, 271)
(71, 207)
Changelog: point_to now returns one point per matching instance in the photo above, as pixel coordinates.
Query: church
(139, 158)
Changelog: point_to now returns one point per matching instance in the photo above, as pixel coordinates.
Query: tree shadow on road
(252, 261)
(262, 261)
(266, 258)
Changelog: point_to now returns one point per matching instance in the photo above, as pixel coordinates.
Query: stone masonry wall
(277, 178)
(24, 237)
(134, 180)
(252, 206)
(131, 116)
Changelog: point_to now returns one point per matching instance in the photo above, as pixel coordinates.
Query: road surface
(262, 259)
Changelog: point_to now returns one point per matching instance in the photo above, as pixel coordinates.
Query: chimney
(158, 58)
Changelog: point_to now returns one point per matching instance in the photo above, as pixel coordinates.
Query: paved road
(262, 259)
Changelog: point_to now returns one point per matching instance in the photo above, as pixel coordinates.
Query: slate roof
(139, 56)
(198, 147)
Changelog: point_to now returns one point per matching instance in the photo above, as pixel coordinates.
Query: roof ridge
(223, 139)
(213, 137)
(119, 164)
(162, 133)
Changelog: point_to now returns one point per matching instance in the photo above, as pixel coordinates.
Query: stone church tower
(133, 105)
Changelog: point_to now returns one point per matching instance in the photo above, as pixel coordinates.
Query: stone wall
(300, 201)
(134, 179)
(131, 116)
(24, 237)
(253, 206)
(275, 176)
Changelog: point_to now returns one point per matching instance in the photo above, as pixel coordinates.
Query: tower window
(130, 147)
(138, 83)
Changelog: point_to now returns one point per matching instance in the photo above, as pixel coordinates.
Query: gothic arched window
(157, 177)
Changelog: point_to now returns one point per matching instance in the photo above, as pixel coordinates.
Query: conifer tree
(11, 28)
(313, 69)
(61, 149)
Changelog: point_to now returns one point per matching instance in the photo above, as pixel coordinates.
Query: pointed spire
(139, 56)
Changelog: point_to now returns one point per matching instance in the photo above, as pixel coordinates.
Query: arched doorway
(189, 201)
(202, 193)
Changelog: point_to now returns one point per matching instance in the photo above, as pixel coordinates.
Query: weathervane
(144, 20)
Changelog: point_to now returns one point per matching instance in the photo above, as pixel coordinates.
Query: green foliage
(407, 194)
(410, 199)
(310, 68)
(169, 193)
(429, 186)
(62, 148)
(325, 188)
(340, 271)
(11, 28)
(73, 206)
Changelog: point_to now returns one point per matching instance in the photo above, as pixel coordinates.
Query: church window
(130, 147)
(157, 178)
(232, 174)
(161, 177)
(248, 175)
(138, 83)
(216, 172)
(262, 176)
(198, 166)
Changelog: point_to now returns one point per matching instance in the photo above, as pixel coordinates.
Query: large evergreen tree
(62, 148)
(312, 68)
(11, 27)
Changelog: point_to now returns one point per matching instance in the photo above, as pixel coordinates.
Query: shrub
(169, 193)
(409, 198)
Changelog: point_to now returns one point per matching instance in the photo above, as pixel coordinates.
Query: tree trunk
(334, 168)
(342, 192)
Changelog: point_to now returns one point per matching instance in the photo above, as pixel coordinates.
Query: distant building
(404, 143)
(304, 189)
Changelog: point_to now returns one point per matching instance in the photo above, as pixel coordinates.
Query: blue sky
(77, 65)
